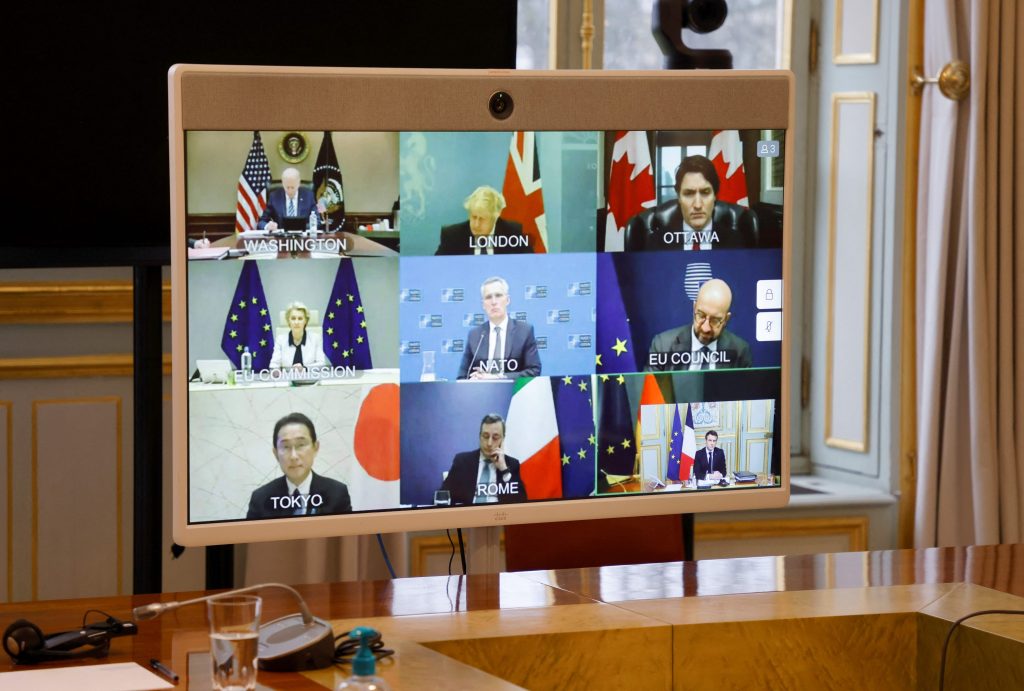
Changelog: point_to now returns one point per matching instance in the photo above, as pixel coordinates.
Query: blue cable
(384, 552)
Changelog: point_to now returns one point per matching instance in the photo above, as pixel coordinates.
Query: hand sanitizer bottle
(363, 665)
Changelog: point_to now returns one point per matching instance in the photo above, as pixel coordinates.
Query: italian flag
(531, 435)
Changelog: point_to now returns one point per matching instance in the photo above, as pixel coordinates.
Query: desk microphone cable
(953, 628)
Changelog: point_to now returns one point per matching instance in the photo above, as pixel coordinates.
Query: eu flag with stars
(248, 324)
(615, 440)
(616, 350)
(574, 410)
(676, 448)
(346, 342)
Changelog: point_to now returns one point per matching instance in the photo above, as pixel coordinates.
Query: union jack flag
(252, 187)
(524, 198)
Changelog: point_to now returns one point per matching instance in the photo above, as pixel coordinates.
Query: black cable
(462, 551)
(384, 552)
(345, 650)
(451, 557)
(953, 627)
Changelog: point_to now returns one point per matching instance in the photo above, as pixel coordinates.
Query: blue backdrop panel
(439, 420)
(655, 297)
(438, 170)
(440, 302)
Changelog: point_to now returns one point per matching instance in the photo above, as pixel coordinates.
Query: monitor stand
(484, 550)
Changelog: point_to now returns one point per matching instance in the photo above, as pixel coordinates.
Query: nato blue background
(656, 300)
(432, 275)
(439, 420)
(438, 170)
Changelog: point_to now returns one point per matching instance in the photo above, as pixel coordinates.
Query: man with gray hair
(500, 348)
(485, 232)
(290, 200)
(486, 475)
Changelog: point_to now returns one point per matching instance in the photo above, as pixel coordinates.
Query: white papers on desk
(121, 676)
(253, 234)
(207, 252)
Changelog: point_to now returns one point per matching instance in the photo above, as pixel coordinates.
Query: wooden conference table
(851, 620)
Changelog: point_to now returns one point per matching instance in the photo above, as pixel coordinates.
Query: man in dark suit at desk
(704, 343)
(486, 475)
(500, 348)
(291, 200)
(300, 491)
(710, 459)
(485, 232)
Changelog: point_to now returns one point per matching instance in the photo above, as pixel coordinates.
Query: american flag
(524, 197)
(252, 187)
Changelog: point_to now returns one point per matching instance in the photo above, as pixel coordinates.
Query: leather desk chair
(736, 226)
(600, 542)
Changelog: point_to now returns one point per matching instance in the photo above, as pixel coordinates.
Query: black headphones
(27, 645)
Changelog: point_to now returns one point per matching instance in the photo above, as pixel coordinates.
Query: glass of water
(234, 636)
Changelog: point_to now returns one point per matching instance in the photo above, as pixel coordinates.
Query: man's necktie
(299, 509)
(499, 348)
(705, 358)
(291, 207)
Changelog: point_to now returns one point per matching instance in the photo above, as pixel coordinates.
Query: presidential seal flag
(327, 183)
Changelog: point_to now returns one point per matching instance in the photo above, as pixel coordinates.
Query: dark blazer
(520, 345)
(735, 226)
(277, 206)
(334, 494)
(700, 463)
(678, 340)
(461, 480)
(455, 238)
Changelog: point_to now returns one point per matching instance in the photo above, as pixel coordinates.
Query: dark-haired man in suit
(710, 460)
(486, 475)
(500, 348)
(300, 491)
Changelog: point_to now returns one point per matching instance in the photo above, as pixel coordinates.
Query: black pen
(163, 669)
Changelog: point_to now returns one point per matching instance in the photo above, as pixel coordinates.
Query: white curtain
(970, 281)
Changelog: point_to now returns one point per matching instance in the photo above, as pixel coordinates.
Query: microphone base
(288, 645)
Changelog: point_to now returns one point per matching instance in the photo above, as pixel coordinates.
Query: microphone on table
(475, 351)
(292, 643)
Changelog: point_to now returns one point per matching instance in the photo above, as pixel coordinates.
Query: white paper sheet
(121, 676)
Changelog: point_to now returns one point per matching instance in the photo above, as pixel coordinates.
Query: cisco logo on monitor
(536, 292)
(410, 295)
(500, 516)
(453, 295)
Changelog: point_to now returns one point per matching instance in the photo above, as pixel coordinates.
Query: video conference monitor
(414, 300)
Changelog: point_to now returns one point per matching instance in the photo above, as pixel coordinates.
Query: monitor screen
(412, 328)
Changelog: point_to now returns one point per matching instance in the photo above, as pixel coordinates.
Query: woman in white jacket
(298, 348)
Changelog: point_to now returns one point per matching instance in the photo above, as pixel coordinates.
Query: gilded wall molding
(72, 302)
(73, 366)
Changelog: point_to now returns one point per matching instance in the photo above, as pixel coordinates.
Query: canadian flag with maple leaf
(726, 154)
(630, 185)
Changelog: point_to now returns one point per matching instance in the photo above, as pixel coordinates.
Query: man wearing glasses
(704, 344)
(300, 491)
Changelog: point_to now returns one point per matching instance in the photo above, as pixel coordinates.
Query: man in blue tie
(290, 200)
(300, 491)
